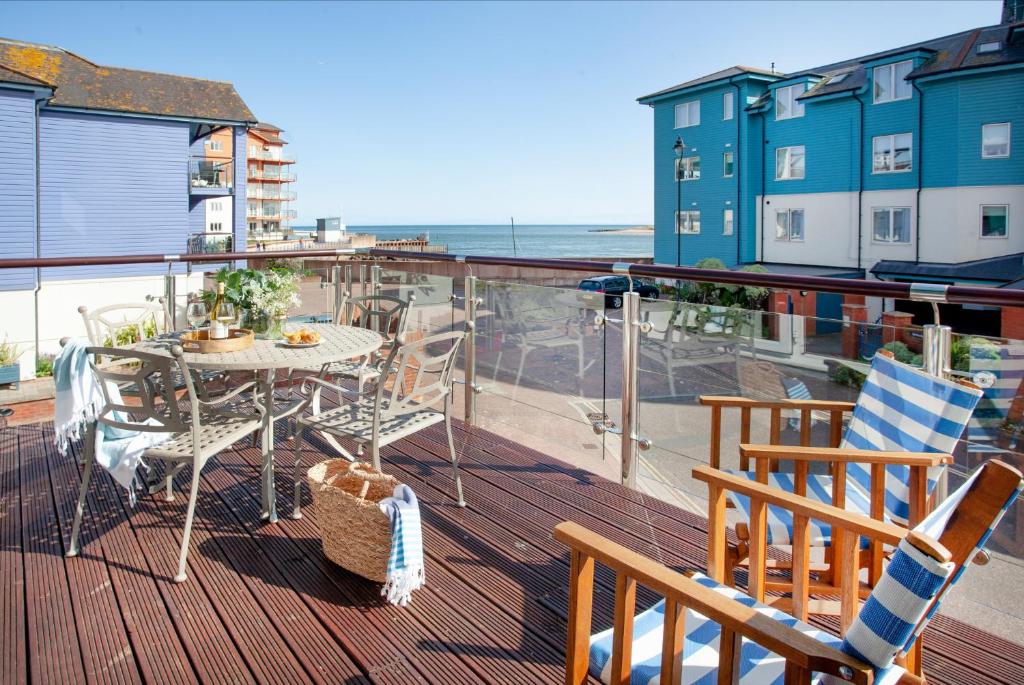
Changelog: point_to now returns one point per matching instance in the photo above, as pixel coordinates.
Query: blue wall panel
(112, 185)
(17, 185)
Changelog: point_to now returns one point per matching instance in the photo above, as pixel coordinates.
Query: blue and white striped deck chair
(900, 409)
(887, 626)
(1006, 365)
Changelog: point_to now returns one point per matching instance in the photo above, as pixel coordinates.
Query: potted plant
(10, 369)
(263, 297)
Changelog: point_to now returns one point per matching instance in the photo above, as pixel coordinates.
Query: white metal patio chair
(193, 438)
(124, 324)
(415, 379)
(704, 631)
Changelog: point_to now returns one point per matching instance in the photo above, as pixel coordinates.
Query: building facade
(98, 160)
(270, 178)
(904, 165)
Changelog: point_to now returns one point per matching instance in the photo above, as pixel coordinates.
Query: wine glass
(197, 314)
(227, 314)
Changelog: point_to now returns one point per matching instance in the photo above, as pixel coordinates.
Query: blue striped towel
(405, 566)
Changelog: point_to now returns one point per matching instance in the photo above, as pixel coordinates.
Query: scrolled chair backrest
(385, 314)
(432, 360)
(903, 409)
(154, 403)
(103, 325)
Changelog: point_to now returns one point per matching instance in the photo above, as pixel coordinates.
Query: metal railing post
(937, 350)
(375, 277)
(170, 297)
(630, 385)
(348, 280)
(470, 303)
(339, 289)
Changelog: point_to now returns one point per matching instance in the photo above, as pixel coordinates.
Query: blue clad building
(98, 160)
(906, 164)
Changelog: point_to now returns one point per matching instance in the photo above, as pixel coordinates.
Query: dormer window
(839, 78)
(786, 104)
(990, 46)
(891, 82)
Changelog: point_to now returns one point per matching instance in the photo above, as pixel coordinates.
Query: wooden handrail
(748, 403)
(835, 454)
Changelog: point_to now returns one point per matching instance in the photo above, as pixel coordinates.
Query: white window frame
(726, 172)
(892, 215)
(892, 150)
(796, 108)
(688, 109)
(728, 219)
(680, 171)
(891, 78)
(687, 215)
(981, 222)
(728, 105)
(788, 238)
(216, 145)
(1009, 139)
(785, 151)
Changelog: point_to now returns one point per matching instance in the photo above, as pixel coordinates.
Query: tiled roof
(12, 76)
(82, 84)
(1003, 269)
(717, 76)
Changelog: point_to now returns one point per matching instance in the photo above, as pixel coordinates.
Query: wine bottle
(218, 329)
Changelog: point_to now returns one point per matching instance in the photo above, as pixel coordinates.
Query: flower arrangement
(264, 296)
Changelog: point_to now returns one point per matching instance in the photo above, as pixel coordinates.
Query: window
(890, 82)
(252, 225)
(991, 46)
(215, 145)
(892, 153)
(252, 150)
(837, 79)
(789, 163)
(786, 104)
(727, 105)
(891, 224)
(727, 166)
(995, 140)
(688, 169)
(993, 220)
(688, 114)
(688, 221)
(727, 222)
(789, 224)
(216, 226)
(216, 205)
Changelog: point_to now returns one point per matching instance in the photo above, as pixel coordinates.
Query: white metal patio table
(265, 357)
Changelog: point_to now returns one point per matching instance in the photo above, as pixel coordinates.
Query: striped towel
(796, 390)
(405, 566)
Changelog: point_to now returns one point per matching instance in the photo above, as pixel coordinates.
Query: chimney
(1013, 11)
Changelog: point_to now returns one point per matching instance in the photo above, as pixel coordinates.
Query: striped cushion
(780, 521)
(903, 409)
(758, 666)
(796, 390)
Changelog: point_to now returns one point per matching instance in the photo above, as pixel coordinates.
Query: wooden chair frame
(803, 654)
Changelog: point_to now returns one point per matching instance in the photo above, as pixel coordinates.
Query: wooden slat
(13, 655)
(801, 565)
(744, 436)
(673, 638)
(622, 632)
(716, 437)
(581, 601)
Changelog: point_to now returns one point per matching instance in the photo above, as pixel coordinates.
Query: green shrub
(9, 353)
(902, 353)
(44, 365)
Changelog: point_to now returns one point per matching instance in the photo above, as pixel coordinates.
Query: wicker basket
(355, 532)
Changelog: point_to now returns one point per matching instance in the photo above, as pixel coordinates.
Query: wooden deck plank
(13, 656)
(263, 605)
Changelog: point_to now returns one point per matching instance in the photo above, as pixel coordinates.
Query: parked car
(613, 288)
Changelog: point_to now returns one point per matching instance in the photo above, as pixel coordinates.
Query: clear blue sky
(470, 113)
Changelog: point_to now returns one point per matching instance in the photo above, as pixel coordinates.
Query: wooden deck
(263, 605)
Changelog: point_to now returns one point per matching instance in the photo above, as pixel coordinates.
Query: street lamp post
(678, 148)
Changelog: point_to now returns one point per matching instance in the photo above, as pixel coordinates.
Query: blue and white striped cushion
(780, 521)
(901, 408)
(758, 666)
(796, 390)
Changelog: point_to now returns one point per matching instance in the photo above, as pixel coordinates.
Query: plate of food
(300, 337)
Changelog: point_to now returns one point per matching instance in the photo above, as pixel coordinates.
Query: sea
(555, 241)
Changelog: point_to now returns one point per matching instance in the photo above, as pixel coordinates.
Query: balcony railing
(270, 191)
(269, 156)
(209, 173)
(614, 390)
(209, 243)
(271, 174)
(271, 215)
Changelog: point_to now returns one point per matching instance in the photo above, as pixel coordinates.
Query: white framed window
(890, 82)
(789, 225)
(727, 222)
(216, 226)
(252, 225)
(688, 114)
(789, 163)
(786, 104)
(890, 224)
(252, 150)
(995, 140)
(688, 221)
(216, 205)
(994, 220)
(727, 164)
(891, 154)
(687, 168)
(728, 102)
(216, 145)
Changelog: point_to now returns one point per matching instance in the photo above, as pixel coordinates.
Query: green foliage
(9, 353)
(723, 295)
(961, 351)
(903, 354)
(131, 333)
(271, 291)
(44, 365)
